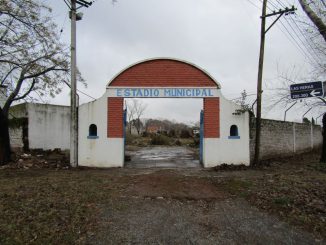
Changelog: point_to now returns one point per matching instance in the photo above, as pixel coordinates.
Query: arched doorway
(163, 78)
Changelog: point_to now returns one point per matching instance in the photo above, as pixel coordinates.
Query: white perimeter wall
(221, 150)
(48, 126)
(103, 151)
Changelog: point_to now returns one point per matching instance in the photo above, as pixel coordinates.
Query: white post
(294, 146)
(312, 135)
(73, 109)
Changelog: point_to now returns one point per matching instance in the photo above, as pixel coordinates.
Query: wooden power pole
(259, 82)
(263, 32)
(73, 104)
(74, 16)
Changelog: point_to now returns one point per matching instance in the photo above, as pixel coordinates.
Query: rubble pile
(37, 159)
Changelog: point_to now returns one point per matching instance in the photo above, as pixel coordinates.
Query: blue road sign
(306, 90)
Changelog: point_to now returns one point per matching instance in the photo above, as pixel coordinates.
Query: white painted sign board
(162, 92)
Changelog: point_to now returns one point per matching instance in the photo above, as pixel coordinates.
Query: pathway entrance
(163, 157)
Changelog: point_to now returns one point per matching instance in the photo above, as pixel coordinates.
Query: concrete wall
(224, 150)
(280, 138)
(48, 126)
(16, 138)
(98, 151)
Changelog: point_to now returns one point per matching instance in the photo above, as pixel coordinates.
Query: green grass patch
(50, 207)
(238, 186)
(282, 201)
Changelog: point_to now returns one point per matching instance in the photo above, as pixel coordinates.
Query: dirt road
(279, 204)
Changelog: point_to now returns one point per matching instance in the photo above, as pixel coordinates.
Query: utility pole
(263, 32)
(259, 82)
(73, 104)
(74, 16)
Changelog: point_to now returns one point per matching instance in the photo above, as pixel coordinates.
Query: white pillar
(312, 135)
(294, 146)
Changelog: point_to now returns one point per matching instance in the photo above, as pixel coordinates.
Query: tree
(313, 16)
(130, 114)
(314, 31)
(33, 62)
(140, 108)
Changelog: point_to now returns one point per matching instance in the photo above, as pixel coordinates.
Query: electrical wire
(314, 57)
(253, 4)
(291, 38)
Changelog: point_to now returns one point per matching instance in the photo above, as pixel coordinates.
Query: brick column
(211, 117)
(115, 118)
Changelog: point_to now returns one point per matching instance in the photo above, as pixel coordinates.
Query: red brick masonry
(115, 118)
(211, 117)
(163, 73)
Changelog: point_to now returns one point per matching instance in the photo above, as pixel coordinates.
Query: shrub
(185, 133)
(160, 140)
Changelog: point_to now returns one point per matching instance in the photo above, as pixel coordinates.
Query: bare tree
(32, 60)
(316, 15)
(130, 114)
(139, 108)
(313, 28)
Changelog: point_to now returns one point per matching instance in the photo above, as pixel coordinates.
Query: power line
(253, 4)
(290, 36)
(298, 36)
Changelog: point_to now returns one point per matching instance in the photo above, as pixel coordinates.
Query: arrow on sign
(314, 93)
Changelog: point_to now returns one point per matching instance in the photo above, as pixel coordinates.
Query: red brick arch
(163, 72)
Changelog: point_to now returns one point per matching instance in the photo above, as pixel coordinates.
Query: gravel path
(166, 221)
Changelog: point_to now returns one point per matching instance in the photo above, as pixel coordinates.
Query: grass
(48, 207)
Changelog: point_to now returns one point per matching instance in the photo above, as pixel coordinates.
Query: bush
(185, 133)
(144, 134)
(160, 140)
(172, 133)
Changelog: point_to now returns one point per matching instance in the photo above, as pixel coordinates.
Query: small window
(234, 133)
(92, 132)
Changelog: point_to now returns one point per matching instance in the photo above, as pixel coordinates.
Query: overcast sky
(221, 37)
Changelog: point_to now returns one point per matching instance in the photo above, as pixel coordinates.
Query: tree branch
(314, 18)
(27, 92)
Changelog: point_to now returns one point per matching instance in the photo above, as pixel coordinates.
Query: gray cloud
(222, 37)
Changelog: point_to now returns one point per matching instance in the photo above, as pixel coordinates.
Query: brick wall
(115, 118)
(211, 117)
(163, 73)
(280, 138)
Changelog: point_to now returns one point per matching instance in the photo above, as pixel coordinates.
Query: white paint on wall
(16, 138)
(162, 92)
(48, 126)
(221, 150)
(101, 151)
(109, 152)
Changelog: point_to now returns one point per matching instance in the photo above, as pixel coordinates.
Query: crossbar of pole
(274, 22)
(286, 10)
(289, 109)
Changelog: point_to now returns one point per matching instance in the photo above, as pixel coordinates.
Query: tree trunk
(318, 22)
(4, 138)
(323, 152)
